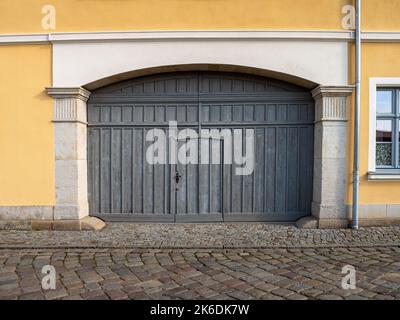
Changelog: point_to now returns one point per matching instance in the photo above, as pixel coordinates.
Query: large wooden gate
(123, 185)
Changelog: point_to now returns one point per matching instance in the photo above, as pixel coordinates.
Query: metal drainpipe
(356, 165)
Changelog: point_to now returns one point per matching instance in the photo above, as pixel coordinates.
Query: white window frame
(374, 84)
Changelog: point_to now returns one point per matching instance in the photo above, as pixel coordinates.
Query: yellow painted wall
(26, 131)
(24, 16)
(378, 60)
(381, 15)
(21, 16)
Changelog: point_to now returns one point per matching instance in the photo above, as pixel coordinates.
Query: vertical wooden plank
(303, 112)
(270, 165)
(148, 182)
(127, 114)
(116, 114)
(227, 180)
(149, 87)
(238, 113)
(181, 85)
(159, 113)
(159, 188)
(309, 167)
(205, 113)
(293, 113)
(149, 113)
(247, 180)
(192, 113)
(105, 171)
(166, 184)
(248, 113)
(306, 165)
(259, 112)
(127, 174)
(181, 113)
(259, 170)
(192, 184)
(238, 85)
(159, 86)
(270, 113)
(204, 178)
(303, 165)
(105, 114)
(281, 170)
(226, 85)
(205, 85)
(138, 115)
(292, 170)
(137, 170)
(170, 113)
(116, 171)
(181, 204)
(215, 113)
(215, 187)
(282, 113)
(94, 114)
(226, 113)
(94, 169)
(236, 187)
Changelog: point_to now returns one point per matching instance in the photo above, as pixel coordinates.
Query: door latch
(177, 177)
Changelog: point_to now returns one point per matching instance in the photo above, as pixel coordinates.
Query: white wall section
(76, 64)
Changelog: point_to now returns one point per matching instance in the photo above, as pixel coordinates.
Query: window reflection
(384, 131)
(384, 102)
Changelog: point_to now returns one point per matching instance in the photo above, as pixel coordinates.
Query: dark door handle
(177, 177)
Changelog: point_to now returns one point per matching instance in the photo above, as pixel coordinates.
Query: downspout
(356, 165)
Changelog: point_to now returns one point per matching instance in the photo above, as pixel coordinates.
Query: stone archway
(329, 182)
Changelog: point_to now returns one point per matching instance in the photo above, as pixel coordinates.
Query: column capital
(332, 91)
(68, 93)
(331, 102)
(69, 104)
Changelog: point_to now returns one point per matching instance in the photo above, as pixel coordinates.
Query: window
(387, 129)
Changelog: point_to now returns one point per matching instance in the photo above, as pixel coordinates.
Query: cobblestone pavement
(212, 235)
(201, 261)
(201, 273)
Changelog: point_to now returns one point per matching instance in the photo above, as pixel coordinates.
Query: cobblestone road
(206, 235)
(201, 274)
(201, 261)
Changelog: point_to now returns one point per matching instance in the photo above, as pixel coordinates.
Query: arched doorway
(124, 186)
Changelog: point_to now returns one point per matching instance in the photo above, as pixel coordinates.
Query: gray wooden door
(124, 186)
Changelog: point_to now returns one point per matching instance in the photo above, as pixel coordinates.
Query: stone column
(330, 162)
(70, 125)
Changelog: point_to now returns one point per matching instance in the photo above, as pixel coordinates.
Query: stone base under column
(312, 222)
(71, 212)
(84, 224)
(316, 223)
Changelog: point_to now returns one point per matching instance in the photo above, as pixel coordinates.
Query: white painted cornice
(381, 36)
(317, 35)
(23, 38)
(176, 35)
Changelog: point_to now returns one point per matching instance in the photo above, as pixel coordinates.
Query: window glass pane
(384, 154)
(384, 131)
(384, 102)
